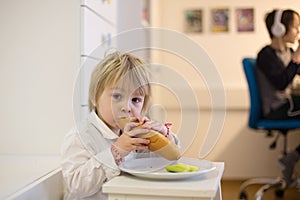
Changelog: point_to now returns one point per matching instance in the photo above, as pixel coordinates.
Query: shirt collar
(101, 126)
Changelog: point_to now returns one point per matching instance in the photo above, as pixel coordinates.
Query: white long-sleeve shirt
(87, 161)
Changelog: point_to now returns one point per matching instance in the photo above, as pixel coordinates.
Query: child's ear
(94, 103)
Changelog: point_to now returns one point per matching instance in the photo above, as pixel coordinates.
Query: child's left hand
(154, 125)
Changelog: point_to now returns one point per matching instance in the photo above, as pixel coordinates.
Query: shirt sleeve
(83, 172)
(274, 70)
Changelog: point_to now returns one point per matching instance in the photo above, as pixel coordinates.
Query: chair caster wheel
(243, 196)
(279, 192)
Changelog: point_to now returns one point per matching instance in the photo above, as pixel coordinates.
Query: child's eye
(117, 96)
(137, 100)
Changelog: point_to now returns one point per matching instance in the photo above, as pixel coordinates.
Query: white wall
(225, 49)
(39, 60)
(244, 151)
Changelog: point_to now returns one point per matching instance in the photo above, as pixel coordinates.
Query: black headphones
(278, 29)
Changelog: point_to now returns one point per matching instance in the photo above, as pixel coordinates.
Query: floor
(230, 191)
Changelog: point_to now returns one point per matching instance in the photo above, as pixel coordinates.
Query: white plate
(154, 168)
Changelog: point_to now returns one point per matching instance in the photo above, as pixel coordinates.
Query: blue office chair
(257, 122)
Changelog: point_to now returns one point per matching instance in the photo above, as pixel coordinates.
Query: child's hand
(156, 126)
(296, 56)
(128, 142)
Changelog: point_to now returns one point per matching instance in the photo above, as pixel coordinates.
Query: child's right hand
(127, 142)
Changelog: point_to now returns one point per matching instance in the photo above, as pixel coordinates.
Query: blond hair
(122, 68)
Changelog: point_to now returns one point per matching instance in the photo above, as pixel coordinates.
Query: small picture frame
(245, 19)
(219, 20)
(193, 21)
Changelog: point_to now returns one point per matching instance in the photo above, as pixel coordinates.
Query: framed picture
(193, 21)
(245, 19)
(219, 20)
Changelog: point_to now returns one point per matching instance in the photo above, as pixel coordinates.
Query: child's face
(118, 102)
(293, 31)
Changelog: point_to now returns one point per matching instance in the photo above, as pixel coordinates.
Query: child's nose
(126, 107)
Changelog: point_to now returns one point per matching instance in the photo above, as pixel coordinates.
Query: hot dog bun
(158, 143)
